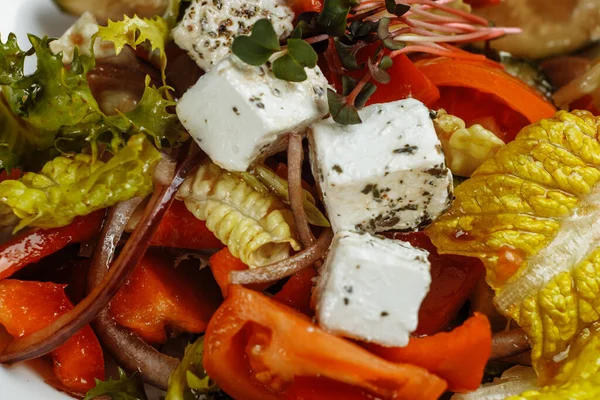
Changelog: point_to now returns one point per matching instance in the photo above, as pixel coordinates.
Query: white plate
(40, 17)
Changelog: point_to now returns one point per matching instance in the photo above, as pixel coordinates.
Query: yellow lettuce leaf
(532, 215)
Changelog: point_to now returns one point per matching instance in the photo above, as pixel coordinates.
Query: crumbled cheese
(237, 112)
(371, 288)
(386, 173)
(80, 35)
(208, 27)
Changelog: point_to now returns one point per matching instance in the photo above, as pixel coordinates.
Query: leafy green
(396, 9)
(362, 29)
(53, 109)
(341, 111)
(347, 55)
(134, 31)
(124, 388)
(70, 186)
(383, 33)
(290, 66)
(259, 46)
(379, 73)
(334, 16)
(275, 184)
(189, 380)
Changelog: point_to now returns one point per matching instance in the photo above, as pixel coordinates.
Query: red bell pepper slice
(159, 295)
(26, 307)
(302, 6)
(458, 356)
(34, 245)
(407, 81)
(258, 349)
(180, 229)
(453, 278)
(296, 292)
(486, 91)
(222, 263)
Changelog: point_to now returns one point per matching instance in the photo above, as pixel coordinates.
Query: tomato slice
(475, 90)
(258, 349)
(222, 263)
(296, 292)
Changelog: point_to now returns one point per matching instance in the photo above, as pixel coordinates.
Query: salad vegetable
(437, 226)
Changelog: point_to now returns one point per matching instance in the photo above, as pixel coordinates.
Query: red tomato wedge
(222, 263)
(26, 307)
(473, 90)
(458, 356)
(159, 295)
(296, 292)
(302, 6)
(32, 246)
(258, 349)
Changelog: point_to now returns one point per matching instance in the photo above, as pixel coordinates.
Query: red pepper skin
(26, 307)
(458, 356)
(453, 278)
(34, 245)
(159, 295)
(181, 229)
(296, 292)
(302, 6)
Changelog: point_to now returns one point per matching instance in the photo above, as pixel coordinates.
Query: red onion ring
(283, 269)
(295, 154)
(509, 343)
(46, 340)
(128, 349)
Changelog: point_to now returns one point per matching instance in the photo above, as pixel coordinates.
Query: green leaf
(347, 55)
(302, 52)
(259, 46)
(134, 31)
(279, 186)
(54, 110)
(383, 33)
(361, 29)
(364, 94)
(11, 61)
(378, 74)
(386, 63)
(288, 69)
(396, 9)
(342, 112)
(392, 44)
(189, 379)
(348, 84)
(67, 187)
(124, 388)
(334, 16)
(297, 32)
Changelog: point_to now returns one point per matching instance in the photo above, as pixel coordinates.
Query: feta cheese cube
(237, 112)
(80, 35)
(208, 27)
(386, 173)
(371, 288)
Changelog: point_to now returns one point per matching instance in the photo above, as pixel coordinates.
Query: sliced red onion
(295, 155)
(283, 269)
(509, 343)
(46, 340)
(128, 349)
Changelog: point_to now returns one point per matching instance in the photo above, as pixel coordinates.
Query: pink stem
(450, 10)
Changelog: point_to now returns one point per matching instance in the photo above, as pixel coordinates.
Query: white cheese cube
(237, 112)
(371, 288)
(386, 173)
(208, 27)
(80, 35)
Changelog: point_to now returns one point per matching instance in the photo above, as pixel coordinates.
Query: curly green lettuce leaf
(531, 213)
(189, 379)
(124, 388)
(134, 31)
(67, 187)
(53, 110)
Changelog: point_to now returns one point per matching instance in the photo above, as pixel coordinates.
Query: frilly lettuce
(54, 109)
(124, 388)
(70, 186)
(189, 379)
(532, 215)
